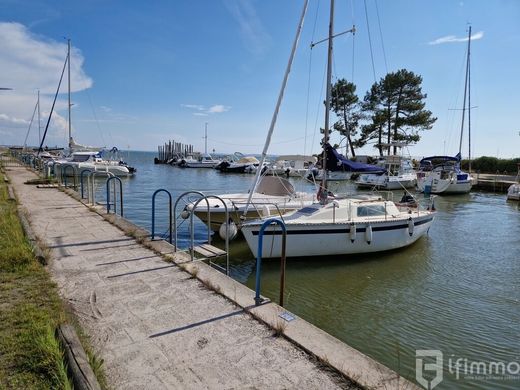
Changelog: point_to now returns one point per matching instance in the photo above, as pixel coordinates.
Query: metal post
(258, 299)
(120, 194)
(153, 212)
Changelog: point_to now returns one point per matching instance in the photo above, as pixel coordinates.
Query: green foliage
(345, 104)
(493, 165)
(396, 110)
(30, 311)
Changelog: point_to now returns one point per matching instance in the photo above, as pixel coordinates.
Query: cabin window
(81, 157)
(371, 211)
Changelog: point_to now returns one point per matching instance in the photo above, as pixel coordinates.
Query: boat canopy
(248, 160)
(338, 162)
(442, 158)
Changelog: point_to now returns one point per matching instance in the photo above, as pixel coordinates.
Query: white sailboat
(83, 157)
(443, 174)
(342, 226)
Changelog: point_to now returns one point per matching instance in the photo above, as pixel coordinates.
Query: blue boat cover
(442, 158)
(338, 162)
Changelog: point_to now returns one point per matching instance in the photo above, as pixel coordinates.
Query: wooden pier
(493, 182)
(172, 150)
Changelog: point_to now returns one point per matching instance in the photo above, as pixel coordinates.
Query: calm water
(456, 290)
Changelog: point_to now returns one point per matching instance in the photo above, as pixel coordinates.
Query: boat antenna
(52, 108)
(277, 108)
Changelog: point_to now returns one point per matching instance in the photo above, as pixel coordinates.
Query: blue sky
(146, 72)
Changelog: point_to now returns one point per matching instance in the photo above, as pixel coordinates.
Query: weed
(279, 328)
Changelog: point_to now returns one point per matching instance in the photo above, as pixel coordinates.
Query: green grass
(30, 311)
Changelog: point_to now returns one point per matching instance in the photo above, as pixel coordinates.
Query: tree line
(391, 112)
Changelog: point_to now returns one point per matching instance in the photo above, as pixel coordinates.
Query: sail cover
(338, 162)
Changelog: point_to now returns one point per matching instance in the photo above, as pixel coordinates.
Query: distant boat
(204, 161)
(443, 174)
(245, 164)
(399, 173)
(340, 226)
(513, 192)
(338, 167)
(292, 166)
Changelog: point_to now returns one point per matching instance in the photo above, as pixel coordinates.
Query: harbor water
(456, 290)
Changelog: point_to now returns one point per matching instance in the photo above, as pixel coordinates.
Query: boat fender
(231, 230)
(368, 234)
(352, 233)
(266, 212)
(185, 214)
(410, 227)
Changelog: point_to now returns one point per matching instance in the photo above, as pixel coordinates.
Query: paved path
(154, 325)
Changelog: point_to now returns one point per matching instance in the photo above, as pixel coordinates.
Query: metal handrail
(192, 230)
(88, 171)
(92, 191)
(258, 299)
(153, 212)
(64, 174)
(120, 194)
(175, 214)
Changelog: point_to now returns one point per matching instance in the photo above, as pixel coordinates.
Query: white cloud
(30, 62)
(201, 110)
(256, 39)
(453, 38)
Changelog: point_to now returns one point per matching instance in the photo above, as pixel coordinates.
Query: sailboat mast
(68, 70)
(466, 82)
(324, 191)
(39, 123)
(206, 139)
(469, 100)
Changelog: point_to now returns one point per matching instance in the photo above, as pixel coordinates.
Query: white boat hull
(513, 193)
(444, 186)
(335, 238)
(116, 170)
(387, 182)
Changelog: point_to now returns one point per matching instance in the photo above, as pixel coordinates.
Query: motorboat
(399, 173)
(292, 166)
(442, 175)
(339, 227)
(93, 161)
(245, 164)
(513, 192)
(203, 161)
(274, 196)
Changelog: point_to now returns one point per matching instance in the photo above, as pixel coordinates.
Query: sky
(143, 72)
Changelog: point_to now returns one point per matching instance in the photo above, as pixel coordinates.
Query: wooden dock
(172, 150)
(493, 182)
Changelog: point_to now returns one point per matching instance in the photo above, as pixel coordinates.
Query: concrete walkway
(154, 325)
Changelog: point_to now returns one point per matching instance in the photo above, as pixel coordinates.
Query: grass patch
(30, 311)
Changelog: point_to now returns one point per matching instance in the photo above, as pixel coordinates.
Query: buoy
(410, 227)
(231, 230)
(368, 234)
(185, 214)
(352, 233)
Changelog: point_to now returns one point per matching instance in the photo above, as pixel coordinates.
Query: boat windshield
(371, 211)
(80, 157)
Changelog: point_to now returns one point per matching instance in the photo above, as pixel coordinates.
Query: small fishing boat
(93, 161)
(245, 164)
